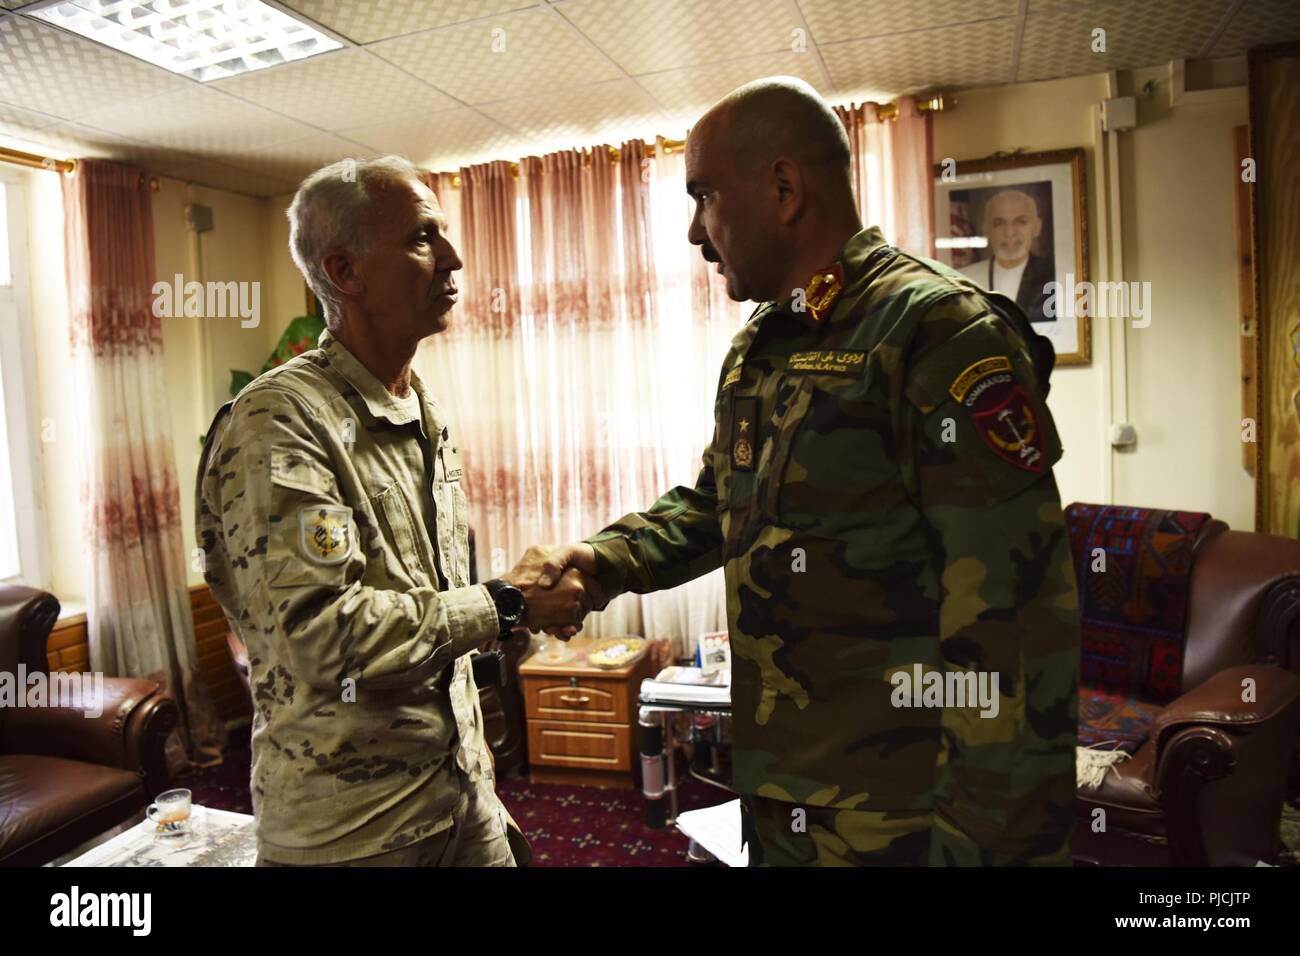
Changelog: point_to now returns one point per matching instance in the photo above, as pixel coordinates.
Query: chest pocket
(402, 550)
(833, 464)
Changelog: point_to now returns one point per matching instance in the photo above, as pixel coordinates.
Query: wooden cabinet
(582, 719)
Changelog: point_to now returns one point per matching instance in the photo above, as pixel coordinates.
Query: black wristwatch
(511, 606)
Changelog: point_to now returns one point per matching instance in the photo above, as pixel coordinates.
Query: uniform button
(444, 433)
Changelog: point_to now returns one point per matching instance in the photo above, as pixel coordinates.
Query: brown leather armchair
(1207, 785)
(66, 777)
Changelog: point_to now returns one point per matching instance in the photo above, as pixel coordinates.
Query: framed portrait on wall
(1018, 225)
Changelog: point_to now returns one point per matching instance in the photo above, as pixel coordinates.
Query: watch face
(510, 603)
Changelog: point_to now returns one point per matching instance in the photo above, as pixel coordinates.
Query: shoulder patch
(1001, 412)
(975, 373)
(325, 533)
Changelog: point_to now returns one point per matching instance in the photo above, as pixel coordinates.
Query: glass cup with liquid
(171, 811)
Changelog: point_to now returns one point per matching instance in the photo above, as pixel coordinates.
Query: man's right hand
(559, 561)
(559, 592)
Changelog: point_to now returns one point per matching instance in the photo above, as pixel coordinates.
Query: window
(22, 558)
(5, 280)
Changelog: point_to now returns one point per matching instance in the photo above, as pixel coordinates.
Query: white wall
(198, 354)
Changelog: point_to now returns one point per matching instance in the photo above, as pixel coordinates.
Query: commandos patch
(744, 426)
(325, 534)
(820, 293)
(1002, 412)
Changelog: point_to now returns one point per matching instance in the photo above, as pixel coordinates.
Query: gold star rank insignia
(742, 449)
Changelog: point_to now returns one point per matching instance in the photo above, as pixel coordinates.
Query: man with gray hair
(334, 525)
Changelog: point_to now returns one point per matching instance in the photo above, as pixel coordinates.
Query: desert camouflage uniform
(879, 492)
(335, 533)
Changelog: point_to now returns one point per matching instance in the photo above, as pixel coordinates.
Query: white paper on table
(717, 829)
(221, 838)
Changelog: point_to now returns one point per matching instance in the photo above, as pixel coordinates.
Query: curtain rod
(885, 112)
(18, 158)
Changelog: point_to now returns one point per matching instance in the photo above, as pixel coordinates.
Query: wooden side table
(582, 719)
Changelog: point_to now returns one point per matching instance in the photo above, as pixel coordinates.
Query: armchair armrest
(130, 733)
(1219, 758)
(1217, 702)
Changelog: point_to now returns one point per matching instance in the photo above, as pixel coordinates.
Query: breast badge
(743, 428)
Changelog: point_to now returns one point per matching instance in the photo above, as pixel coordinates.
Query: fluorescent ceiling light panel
(202, 39)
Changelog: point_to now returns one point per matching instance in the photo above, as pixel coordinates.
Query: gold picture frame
(1046, 218)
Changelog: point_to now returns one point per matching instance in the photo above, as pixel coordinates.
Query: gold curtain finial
(890, 111)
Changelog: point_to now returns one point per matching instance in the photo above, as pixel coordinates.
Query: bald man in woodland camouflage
(879, 491)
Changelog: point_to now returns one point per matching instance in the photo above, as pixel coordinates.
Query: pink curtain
(892, 176)
(138, 606)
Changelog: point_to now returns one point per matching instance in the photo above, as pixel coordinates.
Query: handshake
(559, 584)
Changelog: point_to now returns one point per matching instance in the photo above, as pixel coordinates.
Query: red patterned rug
(567, 826)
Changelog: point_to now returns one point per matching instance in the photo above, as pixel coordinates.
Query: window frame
(21, 394)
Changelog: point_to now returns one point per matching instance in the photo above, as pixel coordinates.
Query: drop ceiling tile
(295, 160)
(72, 139)
(832, 20)
(380, 19)
(55, 72)
(511, 56)
(16, 119)
(603, 113)
(1052, 6)
(441, 140)
(1258, 23)
(974, 54)
(339, 89)
(199, 120)
(75, 140)
(233, 179)
(1059, 42)
(648, 37)
(694, 89)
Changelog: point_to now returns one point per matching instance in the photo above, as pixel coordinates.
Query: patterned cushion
(1120, 721)
(1134, 570)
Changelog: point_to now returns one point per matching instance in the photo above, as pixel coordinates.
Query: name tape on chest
(451, 466)
(849, 363)
(1002, 412)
